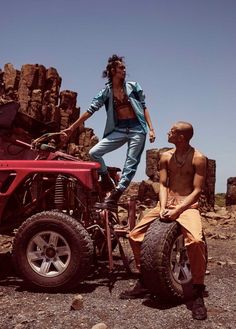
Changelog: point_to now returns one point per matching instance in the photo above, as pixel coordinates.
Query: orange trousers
(191, 226)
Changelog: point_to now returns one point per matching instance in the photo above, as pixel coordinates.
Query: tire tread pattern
(155, 260)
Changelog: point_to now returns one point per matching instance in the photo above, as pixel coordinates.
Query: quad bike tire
(164, 262)
(52, 251)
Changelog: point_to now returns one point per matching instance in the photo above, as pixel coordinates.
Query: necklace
(180, 164)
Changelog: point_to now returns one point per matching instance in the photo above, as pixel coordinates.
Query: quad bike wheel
(164, 261)
(52, 251)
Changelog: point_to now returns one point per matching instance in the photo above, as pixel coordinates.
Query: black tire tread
(155, 257)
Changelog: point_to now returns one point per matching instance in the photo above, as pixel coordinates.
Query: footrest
(121, 231)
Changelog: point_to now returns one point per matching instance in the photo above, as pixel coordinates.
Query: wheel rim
(179, 262)
(48, 254)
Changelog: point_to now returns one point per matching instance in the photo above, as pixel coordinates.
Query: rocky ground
(21, 308)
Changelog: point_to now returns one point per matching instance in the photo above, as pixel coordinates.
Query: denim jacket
(105, 97)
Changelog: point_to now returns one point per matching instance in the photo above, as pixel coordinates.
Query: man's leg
(191, 224)
(136, 143)
(106, 145)
(136, 237)
(197, 257)
(192, 232)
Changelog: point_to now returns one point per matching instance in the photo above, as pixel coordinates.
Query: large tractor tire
(52, 251)
(164, 261)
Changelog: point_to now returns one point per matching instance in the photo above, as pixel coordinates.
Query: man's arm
(163, 182)
(77, 123)
(141, 97)
(150, 126)
(97, 102)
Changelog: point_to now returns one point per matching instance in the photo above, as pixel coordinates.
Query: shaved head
(185, 129)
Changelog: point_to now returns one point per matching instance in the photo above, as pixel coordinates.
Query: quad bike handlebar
(38, 143)
(51, 146)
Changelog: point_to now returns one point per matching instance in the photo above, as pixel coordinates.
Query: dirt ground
(21, 308)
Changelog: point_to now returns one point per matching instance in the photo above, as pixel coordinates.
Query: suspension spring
(59, 192)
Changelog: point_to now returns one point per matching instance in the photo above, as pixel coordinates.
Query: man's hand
(66, 133)
(168, 215)
(152, 136)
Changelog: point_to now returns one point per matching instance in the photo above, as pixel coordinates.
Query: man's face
(120, 71)
(173, 134)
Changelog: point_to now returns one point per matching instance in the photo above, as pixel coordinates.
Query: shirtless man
(182, 177)
(128, 122)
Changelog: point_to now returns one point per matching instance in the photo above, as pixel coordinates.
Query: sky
(182, 52)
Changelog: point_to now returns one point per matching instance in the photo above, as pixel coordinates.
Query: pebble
(100, 326)
(77, 303)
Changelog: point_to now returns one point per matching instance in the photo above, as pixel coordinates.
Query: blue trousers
(135, 145)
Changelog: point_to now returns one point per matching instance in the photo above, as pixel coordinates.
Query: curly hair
(112, 63)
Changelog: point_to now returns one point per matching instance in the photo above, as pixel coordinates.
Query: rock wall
(230, 197)
(207, 200)
(43, 107)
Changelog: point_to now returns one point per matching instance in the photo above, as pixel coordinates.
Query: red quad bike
(47, 202)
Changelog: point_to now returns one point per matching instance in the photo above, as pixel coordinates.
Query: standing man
(127, 121)
(182, 177)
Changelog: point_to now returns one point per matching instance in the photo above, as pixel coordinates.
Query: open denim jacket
(105, 97)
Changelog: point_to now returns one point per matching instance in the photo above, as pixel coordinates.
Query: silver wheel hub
(179, 262)
(48, 254)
